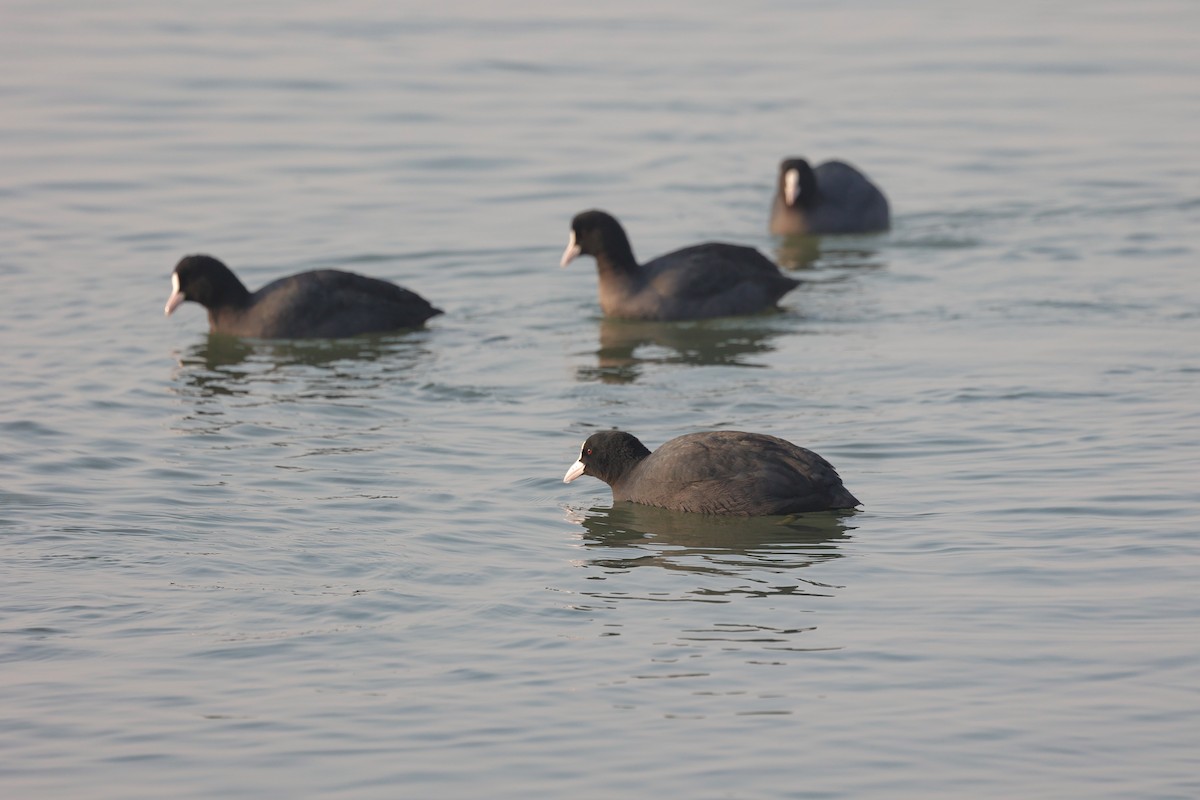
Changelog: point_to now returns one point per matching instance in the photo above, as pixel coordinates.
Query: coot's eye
(587, 451)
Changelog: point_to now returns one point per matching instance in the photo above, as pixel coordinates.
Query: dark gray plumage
(716, 472)
(323, 304)
(833, 198)
(698, 282)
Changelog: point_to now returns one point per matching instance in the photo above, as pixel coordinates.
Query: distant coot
(323, 304)
(833, 198)
(698, 282)
(717, 472)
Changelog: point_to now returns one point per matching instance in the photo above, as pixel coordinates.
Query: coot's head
(797, 182)
(607, 455)
(597, 233)
(204, 280)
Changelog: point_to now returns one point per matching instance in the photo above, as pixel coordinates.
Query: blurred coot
(833, 198)
(697, 282)
(322, 304)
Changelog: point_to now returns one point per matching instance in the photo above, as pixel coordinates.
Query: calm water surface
(351, 569)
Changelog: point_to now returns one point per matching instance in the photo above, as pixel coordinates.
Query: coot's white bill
(176, 296)
(791, 186)
(574, 472)
(573, 249)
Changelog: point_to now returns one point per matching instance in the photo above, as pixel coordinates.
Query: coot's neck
(224, 317)
(625, 484)
(810, 192)
(223, 296)
(226, 291)
(615, 254)
(627, 455)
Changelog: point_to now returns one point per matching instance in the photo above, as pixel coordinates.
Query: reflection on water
(227, 365)
(755, 556)
(219, 350)
(851, 252)
(798, 252)
(626, 345)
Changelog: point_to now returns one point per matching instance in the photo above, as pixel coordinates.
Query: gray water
(240, 569)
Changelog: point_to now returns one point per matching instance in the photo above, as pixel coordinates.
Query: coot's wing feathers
(707, 269)
(332, 303)
(730, 472)
(850, 201)
(715, 279)
(839, 173)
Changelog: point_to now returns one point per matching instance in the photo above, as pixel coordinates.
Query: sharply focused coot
(715, 472)
(833, 198)
(698, 282)
(323, 304)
